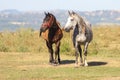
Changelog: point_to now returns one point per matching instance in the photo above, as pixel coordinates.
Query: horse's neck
(75, 32)
(53, 29)
(55, 25)
(79, 29)
(83, 25)
(55, 33)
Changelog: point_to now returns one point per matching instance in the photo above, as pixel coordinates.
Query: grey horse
(82, 35)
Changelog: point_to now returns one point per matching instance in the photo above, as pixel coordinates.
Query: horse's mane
(81, 21)
(57, 22)
(53, 16)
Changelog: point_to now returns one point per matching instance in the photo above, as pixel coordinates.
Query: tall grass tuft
(23, 40)
(106, 39)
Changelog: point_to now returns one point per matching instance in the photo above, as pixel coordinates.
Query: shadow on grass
(67, 61)
(92, 63)
(96, 63)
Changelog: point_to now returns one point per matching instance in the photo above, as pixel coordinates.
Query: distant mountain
(14, 19)
(10, 11)
(103, 16)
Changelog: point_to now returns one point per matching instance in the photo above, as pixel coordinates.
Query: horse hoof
(51, 63)
(55, 64)
(76, 66)
(85, 65)
(59, 62)
(81, 64)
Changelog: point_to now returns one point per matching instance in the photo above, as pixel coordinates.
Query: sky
(81, 5)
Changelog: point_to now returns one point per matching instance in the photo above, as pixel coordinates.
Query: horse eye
(72, 19)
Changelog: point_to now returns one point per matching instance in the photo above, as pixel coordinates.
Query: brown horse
(51, 32)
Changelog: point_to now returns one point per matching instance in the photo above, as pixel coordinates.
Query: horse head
(48, 21)
(71, 22)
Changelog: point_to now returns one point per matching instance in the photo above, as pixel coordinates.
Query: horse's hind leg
(50, 49)
(85, 54)
(57, 54)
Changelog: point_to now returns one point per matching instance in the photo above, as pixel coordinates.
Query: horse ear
(48, 13)
(73, 12)
(69, 13)
(45, 13)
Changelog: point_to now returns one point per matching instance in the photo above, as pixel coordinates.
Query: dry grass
(106, 40)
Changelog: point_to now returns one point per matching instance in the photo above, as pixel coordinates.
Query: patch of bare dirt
(111, 78)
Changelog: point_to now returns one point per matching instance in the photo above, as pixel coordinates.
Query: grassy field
(24, 56)
(34, 66)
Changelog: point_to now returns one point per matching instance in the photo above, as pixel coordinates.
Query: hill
(13, 19)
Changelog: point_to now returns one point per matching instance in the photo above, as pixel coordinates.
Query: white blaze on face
(70, 23)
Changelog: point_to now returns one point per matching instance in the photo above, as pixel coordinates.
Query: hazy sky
(81, 5)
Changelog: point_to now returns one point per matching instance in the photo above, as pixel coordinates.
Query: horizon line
(62, 9)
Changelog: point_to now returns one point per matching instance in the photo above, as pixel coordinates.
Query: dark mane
(53, 16)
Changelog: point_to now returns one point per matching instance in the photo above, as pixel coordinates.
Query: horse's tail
(40, 34)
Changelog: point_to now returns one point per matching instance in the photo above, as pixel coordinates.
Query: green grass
(24, 56)
(34, 66)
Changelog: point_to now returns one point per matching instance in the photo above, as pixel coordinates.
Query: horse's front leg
(76, 54)
(57, 52)
(80, 52)
(50, 49)
(85, 54)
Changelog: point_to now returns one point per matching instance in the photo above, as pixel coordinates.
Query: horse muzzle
(42, 29)
(67, 29)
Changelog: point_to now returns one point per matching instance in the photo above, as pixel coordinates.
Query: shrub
(22, 49)
(4, 48)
